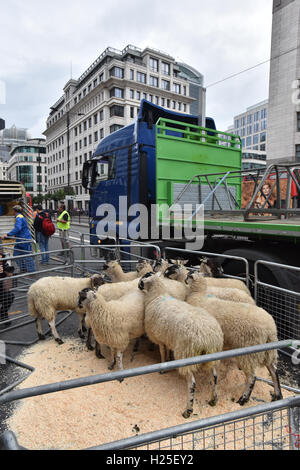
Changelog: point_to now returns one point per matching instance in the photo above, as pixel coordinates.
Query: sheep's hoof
(99, 355)
(121, 380)
(42, 337)
(213, 402)
(112, 366)
(276, 397)
(90, 347)
(242, 401)
(59, 341)
(187, 414)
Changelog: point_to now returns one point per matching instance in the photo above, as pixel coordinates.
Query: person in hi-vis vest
(64, 225)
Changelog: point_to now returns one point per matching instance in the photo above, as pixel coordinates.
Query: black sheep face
(142, 281)
(83, 295)
(172, 271)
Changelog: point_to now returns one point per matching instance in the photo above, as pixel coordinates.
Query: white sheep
(114, 270)
(243, 325)
(51, 294)
(213, 271)
(114, 323)
(186, 330)
(223, 292)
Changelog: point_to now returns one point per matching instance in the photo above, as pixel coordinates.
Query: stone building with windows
(106, 98)
(284, 91)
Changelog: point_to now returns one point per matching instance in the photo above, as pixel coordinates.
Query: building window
(153, 65)
(95, 83)
(141, 77)
(96, 136)
(138, 95)
(248, 141)
(101, 77)
(298, 122)
(153, 81)
(297, 153)
(165, 84)
(131, 74)
(249, 119)
(163, 101)
(115, 127)
(255, 139)
(176, 88)
(117, 92)
(165, 68)
(132, 94)
(116, 111)
(249, 130)
(263, 137)
(102, 115)
(96, 119)
(117, 72)
(101, 133)
(131, 112)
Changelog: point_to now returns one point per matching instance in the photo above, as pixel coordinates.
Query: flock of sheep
(186, 312)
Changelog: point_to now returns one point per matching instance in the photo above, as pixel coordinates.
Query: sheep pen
(90, 416)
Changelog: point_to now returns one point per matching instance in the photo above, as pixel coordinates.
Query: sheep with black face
(49, 295)
(243, 325)
(187, 331)
(114, 322)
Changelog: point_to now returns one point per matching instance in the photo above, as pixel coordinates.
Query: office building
(28, 166)
(106, 98)
(251, 126)
(284, 103)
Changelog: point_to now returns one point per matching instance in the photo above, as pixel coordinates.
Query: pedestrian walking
(23, 244)
(44, 229)
(64, 225)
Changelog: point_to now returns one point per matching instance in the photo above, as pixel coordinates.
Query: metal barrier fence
(269, 426)
(285, 430)
(273, 426)
(282, 304)
(245, 277)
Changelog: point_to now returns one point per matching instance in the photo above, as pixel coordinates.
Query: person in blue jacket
(21, 232)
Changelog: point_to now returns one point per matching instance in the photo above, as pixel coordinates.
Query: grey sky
(40, 40)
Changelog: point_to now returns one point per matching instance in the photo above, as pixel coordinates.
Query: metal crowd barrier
(245, 278)
(282, 304)
(288, 426)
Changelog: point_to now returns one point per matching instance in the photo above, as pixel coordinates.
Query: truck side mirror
(86, 175)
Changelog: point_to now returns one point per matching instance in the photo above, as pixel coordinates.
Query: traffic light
(2, 124)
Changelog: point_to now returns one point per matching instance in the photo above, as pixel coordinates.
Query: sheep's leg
(54, 332)
(39, 328)
(248, 390)
(275, 377)
(89, 340)
(214, 398)
(81, 327)
(162, 350)
(191, 384)
(99, 354)
(120, 360)
(136, 345)
(113, 359)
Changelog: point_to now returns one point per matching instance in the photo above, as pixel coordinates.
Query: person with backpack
(44, 228)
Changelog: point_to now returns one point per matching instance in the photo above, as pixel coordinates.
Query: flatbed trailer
(166, 158)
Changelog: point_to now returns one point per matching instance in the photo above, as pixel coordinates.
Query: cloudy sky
(40, 40)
